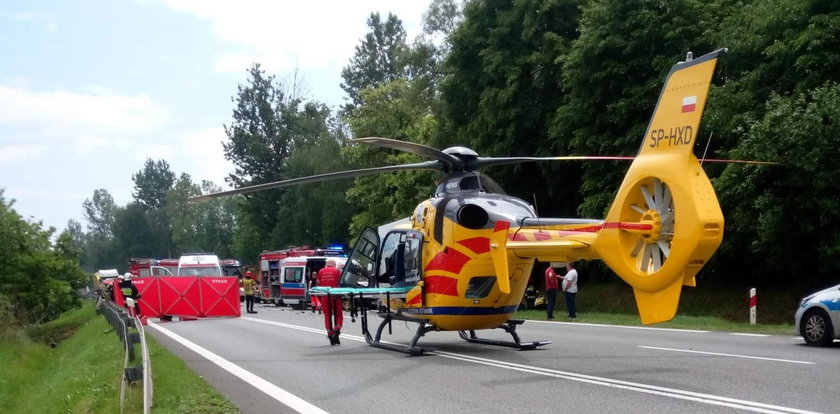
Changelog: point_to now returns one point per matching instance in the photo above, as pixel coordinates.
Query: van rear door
(293, 283)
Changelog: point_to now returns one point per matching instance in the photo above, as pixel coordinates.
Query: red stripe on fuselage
(628, 226)
(501, 225)
(478, 245)
(441, 285)
(416, 300)
(449, 260)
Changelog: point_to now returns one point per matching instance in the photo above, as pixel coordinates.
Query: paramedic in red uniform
(328, 277)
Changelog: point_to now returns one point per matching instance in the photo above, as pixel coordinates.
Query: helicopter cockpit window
(394, 241)
(412, 262)
(359, 271)
(491, 186)
(479, 287)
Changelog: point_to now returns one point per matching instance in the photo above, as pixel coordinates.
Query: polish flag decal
(689, 103)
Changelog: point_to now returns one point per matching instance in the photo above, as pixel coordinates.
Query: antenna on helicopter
(536, 209)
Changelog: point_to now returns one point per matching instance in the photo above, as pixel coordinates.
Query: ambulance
(272, 277)
(199, 264)
(295, 274)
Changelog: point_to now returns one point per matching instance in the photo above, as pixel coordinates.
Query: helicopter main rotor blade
(482, 162)
(454, 163)
(425, 165)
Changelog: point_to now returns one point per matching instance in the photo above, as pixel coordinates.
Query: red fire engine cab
(285, 274)
(153, 267)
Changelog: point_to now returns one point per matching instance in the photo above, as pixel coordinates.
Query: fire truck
(153, 267)
(284, 274)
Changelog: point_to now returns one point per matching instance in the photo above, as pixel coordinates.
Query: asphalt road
(280, 361)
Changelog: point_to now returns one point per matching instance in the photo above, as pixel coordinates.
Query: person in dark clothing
(530, 297)
(129, 291)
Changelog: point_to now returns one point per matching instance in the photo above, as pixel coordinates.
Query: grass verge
(82, 373)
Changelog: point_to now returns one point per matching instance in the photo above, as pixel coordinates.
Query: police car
(818, 317)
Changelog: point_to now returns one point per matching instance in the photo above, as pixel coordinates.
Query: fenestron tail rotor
(654, 238)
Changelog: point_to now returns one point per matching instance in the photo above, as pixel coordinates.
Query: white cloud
(87, 144)
(283, 35)
(70, 115)
(20, 153)
(154, 151)
(200, 154)
(47, 20)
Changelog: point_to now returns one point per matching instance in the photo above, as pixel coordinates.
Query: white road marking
(633, 386)
(598, 325)
(749, 334)
(792, 361)
(286, 398)
(571, 376)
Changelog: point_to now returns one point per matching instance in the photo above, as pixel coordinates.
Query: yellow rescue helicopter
(462, 260)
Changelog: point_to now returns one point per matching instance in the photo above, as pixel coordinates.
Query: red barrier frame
(201, 296)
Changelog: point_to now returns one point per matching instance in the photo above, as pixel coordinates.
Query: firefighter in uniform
(248, 285)
(333, 313)
(130, 291)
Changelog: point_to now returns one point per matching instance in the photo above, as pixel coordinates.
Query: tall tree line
(551, 77)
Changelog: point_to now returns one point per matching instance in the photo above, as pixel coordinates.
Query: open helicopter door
(360, 269)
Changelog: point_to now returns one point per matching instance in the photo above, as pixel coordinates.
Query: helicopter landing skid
(509, 327)
(387, 317)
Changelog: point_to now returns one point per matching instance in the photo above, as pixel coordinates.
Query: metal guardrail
(120, 320)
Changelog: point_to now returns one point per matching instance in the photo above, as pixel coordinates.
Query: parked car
(818, 317)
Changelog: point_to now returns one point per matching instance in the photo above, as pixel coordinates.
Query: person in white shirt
(570, 288)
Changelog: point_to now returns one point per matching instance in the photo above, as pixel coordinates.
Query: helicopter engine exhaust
(472, 216)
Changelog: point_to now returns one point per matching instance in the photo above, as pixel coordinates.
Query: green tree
(151, 184)
(207, 226)
(377, 57)
(150, 187)
(502, 87)
(37, 278)
(777, 217)
(134, 235)
(99, 250)
(315, 214)
(99, 212)
(775, 47)
(394, 109)
(612, 76)
(268, 127)
(79, 240)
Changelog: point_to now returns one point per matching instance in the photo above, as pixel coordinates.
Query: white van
(199, 264)
(295, 275)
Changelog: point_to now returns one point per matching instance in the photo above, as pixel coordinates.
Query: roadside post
(752, 306)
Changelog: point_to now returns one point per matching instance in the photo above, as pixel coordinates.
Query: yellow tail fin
(665, 222)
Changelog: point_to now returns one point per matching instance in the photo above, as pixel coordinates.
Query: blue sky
(90, 89)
